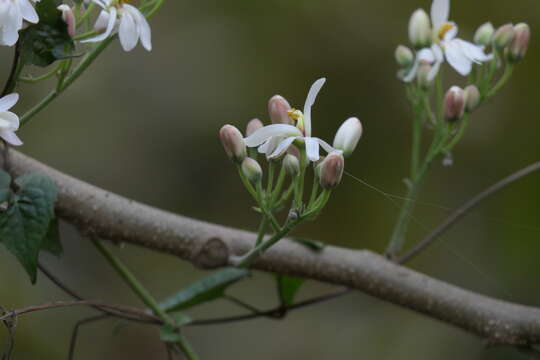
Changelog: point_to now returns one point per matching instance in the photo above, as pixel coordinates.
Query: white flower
(275, 139)
(9, 122)
(12, 14)
(459, 53)
(127, 20)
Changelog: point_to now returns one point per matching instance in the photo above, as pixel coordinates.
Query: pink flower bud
(472, 98)
(278, 109)
(503, 36)
(252, 170)
(331, 170)
(454, 104)
(520, 44)
(348, 135)
(252, 126)
(233, 143)
(69, 18)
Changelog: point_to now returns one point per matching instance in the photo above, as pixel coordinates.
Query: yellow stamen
(444, 29)
(298, 117)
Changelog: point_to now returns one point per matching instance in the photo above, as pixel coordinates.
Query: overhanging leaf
(51, 242)
(206, 289)
(24, 225)
(288, 288)
(43, 43)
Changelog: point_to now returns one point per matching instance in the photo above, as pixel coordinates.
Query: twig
(92, 303)
(54, 279)
(467, 207)
(75, 333)
(275, 313)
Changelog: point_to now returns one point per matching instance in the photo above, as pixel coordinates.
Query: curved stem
(87, 60)
(466, 208)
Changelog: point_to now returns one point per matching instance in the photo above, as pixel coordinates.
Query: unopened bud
(233, 143)
(484, 34)
(454, 104)
(420, 29)
(291, 165)
(252, 126)
(348, 135)
(69, 18)
(520, 44)
(252, 170)
(404, 56)
(503, 36)
(331, 170)
(278, 109)
(472, 98)
(423, 75)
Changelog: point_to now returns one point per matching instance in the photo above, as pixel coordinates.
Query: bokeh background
(145, 125)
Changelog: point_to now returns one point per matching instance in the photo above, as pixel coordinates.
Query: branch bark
(207, 245)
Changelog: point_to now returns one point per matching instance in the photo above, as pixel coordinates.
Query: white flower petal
(10, 137)
(268, 147)
(411, 75)
(440, 10)
(8, 101)
(128, 32)
(326, 146)
(312, 148)
(9, 121)
(110, 25)
(426, 54)
(439, 59)
(457, 58)
(102, 21)
(472, 51)
(282, 147)
(266, 132)
(103, 4)
(310, 100)
(28, 12)
(10, 35)
(143, 28)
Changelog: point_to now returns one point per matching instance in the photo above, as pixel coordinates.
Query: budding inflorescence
(289, 148)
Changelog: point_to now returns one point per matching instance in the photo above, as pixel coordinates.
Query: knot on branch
(214, 253)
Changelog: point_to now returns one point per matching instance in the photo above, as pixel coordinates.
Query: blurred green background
(145, 125)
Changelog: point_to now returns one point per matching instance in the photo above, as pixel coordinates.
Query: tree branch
(207, 245)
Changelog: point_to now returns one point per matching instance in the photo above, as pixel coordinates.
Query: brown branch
(466, 208)
(92, 303)
(209, 245)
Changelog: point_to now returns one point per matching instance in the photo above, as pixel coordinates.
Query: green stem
(142, 293)
(299, 191)
(247, 259)
(314, 191)
(262, 230)
(68, 80)
(86, 14)
(405, 216)
(279, 187)
(508, 70)
(458, 136)
(416, 139)
(270, 185)
(85, 35)
(33, 80)
(246, 183)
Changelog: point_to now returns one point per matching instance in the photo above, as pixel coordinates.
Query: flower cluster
(288, 143)
(116, 16)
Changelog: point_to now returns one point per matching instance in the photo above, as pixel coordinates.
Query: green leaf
(51, 242)
(25, 224)
(288, 288)
(43, 43)
(206, 289)
(311, 244)
(5, 190)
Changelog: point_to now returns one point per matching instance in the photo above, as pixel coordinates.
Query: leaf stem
(142, 293)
